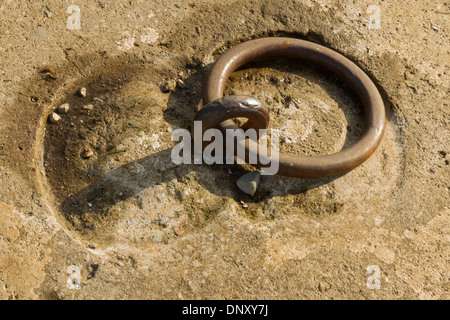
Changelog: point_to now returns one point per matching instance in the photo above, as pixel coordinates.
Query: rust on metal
(303, 166)
(230, 107)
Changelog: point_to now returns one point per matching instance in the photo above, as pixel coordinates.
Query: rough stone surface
(248, 183)
(87, 153)
(64, 108)
(54, 117)
(379, 232)
(169, 86)
(83, 92)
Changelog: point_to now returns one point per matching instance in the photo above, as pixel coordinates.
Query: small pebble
(181, 84)
(169, 86)
(82, 92)
(324, 286)
(54, 118)
(157, 238)
(88, 107)
(63, 108)
(93, 246)
(50, 73)
(179, 231)
(48, 70)
(87, 153)
(244, 205)
(248, 183)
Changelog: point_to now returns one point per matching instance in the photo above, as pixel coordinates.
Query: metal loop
(301, 166)
(231, 107)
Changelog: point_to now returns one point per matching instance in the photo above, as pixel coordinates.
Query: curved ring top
(302, 166)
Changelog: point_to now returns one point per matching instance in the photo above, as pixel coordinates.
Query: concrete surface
(132, 225)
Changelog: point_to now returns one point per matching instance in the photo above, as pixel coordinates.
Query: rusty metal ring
(231, 107)
(302, 166)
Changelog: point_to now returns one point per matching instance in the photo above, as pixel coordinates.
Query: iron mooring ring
(303, 166)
